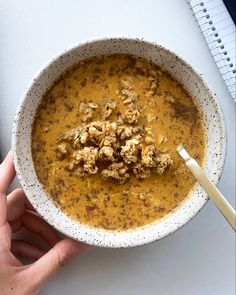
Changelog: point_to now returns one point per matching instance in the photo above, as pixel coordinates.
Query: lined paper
(219, 32)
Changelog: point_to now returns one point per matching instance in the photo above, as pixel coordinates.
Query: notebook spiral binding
(204, 12)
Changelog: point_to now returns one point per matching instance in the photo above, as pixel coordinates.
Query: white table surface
(199, 258)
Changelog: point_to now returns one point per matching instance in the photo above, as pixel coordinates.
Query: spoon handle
(223, 205)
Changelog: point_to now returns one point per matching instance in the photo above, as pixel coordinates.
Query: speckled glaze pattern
(184, 72)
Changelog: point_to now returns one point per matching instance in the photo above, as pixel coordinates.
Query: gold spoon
(216, 196)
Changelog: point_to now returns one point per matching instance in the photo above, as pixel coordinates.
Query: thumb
(61, 254)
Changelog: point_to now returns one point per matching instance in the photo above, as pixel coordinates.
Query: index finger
(7, 173)
(17, 204)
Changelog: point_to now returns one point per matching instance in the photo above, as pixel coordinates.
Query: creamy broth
(165, 107)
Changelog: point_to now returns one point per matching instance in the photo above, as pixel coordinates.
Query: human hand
(16, 212)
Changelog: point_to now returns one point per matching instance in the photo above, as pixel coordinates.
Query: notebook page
(219, 32)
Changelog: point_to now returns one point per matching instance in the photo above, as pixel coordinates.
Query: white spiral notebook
(218, 30)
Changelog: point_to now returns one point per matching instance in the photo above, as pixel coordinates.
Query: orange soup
(104, 142)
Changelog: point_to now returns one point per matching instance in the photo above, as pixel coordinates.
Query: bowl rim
(203, 201)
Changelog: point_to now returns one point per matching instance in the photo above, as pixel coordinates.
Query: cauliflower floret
(87, 158)
(106, 153)
(70, 135)
(110, 106)
(88, 110)
(163, 162)
(148, 154)
(117, 171)
(125, 131)
(129, 152)
(141, 172)
(132, 114)
(62, 150)
(129, 97)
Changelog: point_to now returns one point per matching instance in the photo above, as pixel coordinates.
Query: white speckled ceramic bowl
(184, 73)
